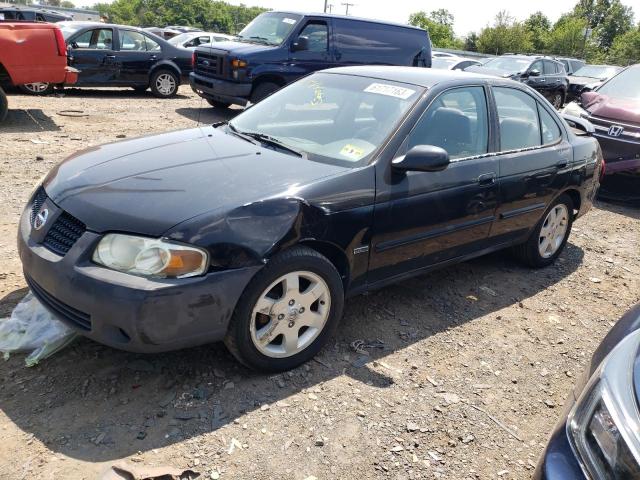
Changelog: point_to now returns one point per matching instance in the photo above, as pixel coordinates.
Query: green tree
(607, 20)
(439, 24)
(626, 48)
(67, 4)
(567, 37)
(471, 42)
(506, 35)
(538, 26)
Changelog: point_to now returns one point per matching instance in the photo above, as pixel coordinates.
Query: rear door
(534, 157)
(136, 56)
(317, 33)
(92, 52)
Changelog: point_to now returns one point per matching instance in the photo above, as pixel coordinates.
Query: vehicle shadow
(114, 93)
(28, 120)
(94, 403)
(620, 207)
(207, 114)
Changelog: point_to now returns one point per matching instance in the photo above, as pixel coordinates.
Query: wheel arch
(165, 65)
(576, 198)
(267, 77)
(334, 254)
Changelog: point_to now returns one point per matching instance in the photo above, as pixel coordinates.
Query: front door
(428, 218)
(316, 56)
(91, 52)
(136, 56)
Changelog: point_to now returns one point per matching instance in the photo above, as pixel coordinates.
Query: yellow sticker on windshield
(352, 152)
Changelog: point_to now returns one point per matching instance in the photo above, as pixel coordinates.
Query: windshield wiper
(244, 136)
(269, 140)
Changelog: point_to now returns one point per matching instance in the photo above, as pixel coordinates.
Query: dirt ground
(446, 351)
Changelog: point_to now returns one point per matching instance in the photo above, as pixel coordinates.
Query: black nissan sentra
(254, 231)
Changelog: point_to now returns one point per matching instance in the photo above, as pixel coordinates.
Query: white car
(194, 39)
(453, 63)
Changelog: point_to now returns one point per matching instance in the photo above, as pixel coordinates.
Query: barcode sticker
(390, 90)
(290, 21)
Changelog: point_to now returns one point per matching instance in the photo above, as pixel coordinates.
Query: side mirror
(422, 158)
(534, 73)
(301, 44)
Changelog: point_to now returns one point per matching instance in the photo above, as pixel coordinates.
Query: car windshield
(596, 71)
(508, 64)
(182, 38)
(332, 118)
(624, 85)
(269, 28)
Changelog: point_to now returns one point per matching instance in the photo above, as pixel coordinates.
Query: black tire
(557, 99)
(217, 103)
(263, 90)
(48, 90)
(529, 252)
(238, 339)
(160, 93)
(4, 105)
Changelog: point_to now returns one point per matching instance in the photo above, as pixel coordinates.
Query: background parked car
(165, 33)
(571, 65)
(598, 436)
(33, 15)
(195, 39)
(544, 74)
(589, 78)
(121, 56)
(453, 63)
(277, 48)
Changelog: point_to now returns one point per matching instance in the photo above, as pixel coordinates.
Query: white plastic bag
(32, 327)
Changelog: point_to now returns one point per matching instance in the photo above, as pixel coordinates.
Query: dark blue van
(277, 48)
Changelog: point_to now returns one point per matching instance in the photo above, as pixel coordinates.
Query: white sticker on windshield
(390, 90)
(290, 21)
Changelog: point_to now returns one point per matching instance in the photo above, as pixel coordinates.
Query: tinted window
(550, 129)
(317, 34)
(152, 45)
(537, 65)
(100, 38)
(455, 121)
(518, 116)
(132, 41)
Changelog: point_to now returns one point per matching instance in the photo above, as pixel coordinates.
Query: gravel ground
(442, 352)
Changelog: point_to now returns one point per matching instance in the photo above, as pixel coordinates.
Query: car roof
(422, 77)
(345, 17)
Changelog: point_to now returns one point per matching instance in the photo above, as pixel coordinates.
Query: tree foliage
(439, 24)
(538, 26)
(207, 14)
(506, 35)
(626, 48)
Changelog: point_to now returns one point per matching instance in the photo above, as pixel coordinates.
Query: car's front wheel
(218, 104)
(164, 83)
(550, 235)
(557, 100)
(288, 311)
(39, 88)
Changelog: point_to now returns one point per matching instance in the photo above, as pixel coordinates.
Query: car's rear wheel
(557, 99)
(550, 235)
(38, 88)
(4, 105)
(164, 83)
(218, 104)
(263, 90)
(288, 311)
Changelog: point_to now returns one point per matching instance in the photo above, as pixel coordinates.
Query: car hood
(237, 48)
(149, 184)
(490, 71)
(624, 110)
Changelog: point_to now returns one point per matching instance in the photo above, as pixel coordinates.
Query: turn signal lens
(237, 63)
(149, 257)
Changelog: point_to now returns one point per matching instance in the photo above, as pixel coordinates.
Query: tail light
(193, 59)
(62, 46)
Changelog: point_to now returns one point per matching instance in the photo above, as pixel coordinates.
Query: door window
(550, 129)
(152, 45)
(455, 121)
(518, 116)
(318, 35)
(549, 68)
(97, 39)
(537, 65)
(132, 41)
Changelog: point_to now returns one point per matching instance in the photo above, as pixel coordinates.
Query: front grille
(38, 199)
(209, 64)
(71, 315)
(64, 232)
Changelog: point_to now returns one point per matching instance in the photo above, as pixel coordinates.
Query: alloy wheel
(553, 231)
(290, 314)
(37, 87)
(557, 101)
(165, 84)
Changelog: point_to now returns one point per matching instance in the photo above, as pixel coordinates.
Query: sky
(469, 15)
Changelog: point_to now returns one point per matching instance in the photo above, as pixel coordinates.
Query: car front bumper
(125, 311)
(220, 90)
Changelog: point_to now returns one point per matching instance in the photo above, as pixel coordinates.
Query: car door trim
(522, 211)
(418, 237)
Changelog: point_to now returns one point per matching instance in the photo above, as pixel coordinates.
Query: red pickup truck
(30, 53)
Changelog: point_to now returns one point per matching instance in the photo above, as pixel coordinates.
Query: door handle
(562, 164)
(109, 59)
(487, 179)
(153, 57)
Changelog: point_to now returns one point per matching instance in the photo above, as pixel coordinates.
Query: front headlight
(149, 257)
(603, 426)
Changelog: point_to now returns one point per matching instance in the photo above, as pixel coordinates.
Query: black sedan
(255, 231)
(122, 56)
(599, 434)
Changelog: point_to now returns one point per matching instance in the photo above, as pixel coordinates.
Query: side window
(550, 129)
(455, 121)
(537, 65)
(132, 41)
(152, 45)
(318, 36)
(98, 39)
(518, 117)
(549, 68)
(40, 18)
